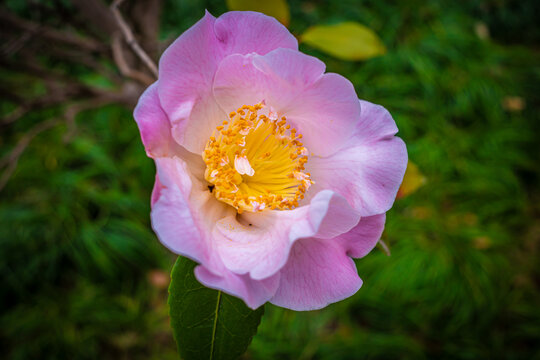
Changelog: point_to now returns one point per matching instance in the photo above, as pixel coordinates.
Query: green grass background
(77, 253)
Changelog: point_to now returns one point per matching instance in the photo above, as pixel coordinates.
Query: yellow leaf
(513, 103)
(347, 40)
(275, 8)
(412, 180)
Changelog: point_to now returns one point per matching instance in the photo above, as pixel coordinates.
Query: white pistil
(242, 165)
(272, 114)
(224, 161)
(300, 175)
(258, 206)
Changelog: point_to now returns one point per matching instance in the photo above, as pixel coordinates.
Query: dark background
(83, 276)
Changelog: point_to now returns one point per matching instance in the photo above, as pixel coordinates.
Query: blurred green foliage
(80, 265)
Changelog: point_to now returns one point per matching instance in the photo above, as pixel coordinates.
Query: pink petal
(244, 32)
(375, 123)
(363, 237)
(323, 107)
(317, 273)
(262, 248)
(249, 79)
(320, 272)
(185, 212)
(156, 135)
(325, 113)
(156, 191)
(187, 68)
(153, 124)
(369, 168)
(254, 292)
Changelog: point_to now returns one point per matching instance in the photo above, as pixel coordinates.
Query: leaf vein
(215, 326)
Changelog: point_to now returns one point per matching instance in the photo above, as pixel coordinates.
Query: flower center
(256, 162)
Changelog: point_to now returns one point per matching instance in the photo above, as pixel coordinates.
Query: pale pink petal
(171, 216)
(317, 273)
(156, 135)
(333, 214)
(320, 272)
(156, 191)
(375, 123)
(185, 212)
(153, 125)
(326, 113)
(323, 107)
(254, 292)
(259, 243)
(363, 237)
(183, 217)
(368, 169)
(187, 68)
(260, 246)
(277, 77)
(244, 32)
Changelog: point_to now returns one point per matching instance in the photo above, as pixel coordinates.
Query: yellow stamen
(256, 162)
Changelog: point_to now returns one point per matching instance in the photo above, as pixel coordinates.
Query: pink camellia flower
(271, 174)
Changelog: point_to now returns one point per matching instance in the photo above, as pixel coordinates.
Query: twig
(50, 33)
(145, 16)
(96, 17)
(28, 65)
(60, 94)
(385, 247)
(11, 47)
(73, 110)
(119, 59)
(76, 56)
(130, 39)
(19, 112)
(10, 161)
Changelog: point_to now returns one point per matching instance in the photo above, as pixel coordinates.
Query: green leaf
(208, 324)
(347, 40)
(276, 8)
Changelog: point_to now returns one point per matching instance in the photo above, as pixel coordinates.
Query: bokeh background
(83, 276)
